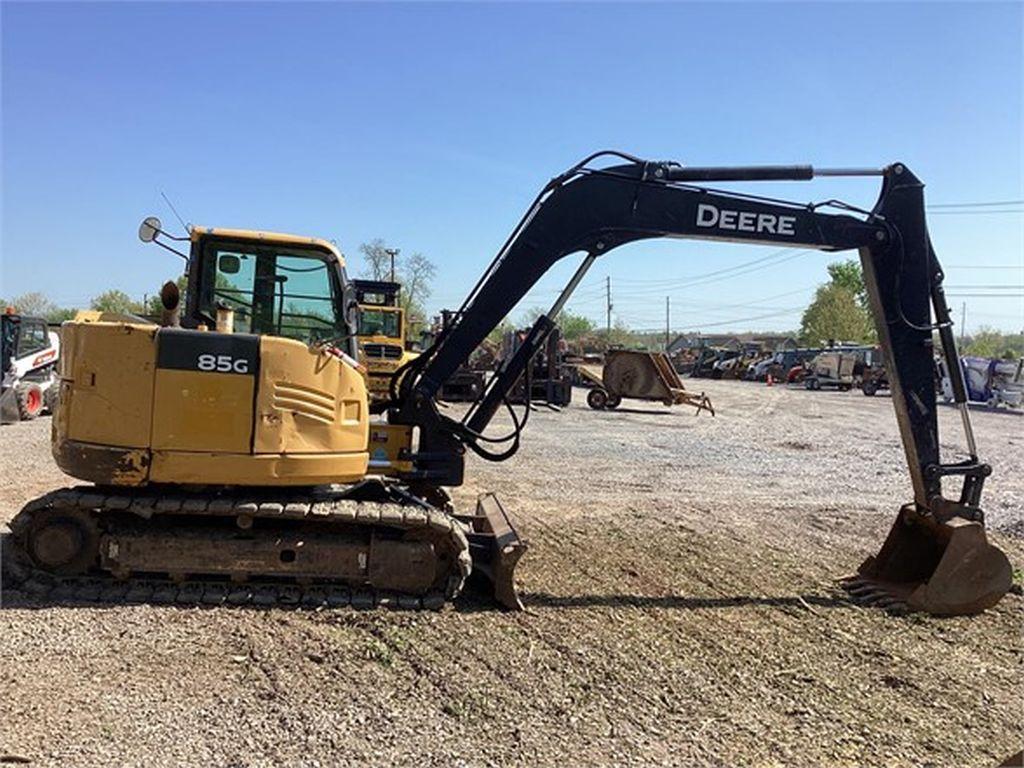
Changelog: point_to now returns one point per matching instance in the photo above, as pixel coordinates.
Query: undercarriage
(364, 545)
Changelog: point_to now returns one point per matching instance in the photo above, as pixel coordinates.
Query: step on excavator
(231, 456)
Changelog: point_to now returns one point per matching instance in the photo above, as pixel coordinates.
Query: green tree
(575, 326)
(572, 326)
(848, 274)
(620, 336)
(988, 342)
(836, 315)
(116, 301)
(59, 314)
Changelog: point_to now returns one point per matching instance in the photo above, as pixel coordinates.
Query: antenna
(175, 211)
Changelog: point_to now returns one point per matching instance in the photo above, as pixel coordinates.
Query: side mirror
(229, 264)
(149, 229)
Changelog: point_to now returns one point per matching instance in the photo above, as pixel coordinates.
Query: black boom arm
(593, 211)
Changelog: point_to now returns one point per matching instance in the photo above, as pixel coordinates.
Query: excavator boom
(595, 210)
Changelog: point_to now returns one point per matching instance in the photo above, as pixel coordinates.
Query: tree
(34, 303)
(575, 326)
(59, 314)
(848, 274)
(839, 311)
(416, 276)
(117, 302)
(378, 260)
(834, 315)
(38, 305)
(988, 342)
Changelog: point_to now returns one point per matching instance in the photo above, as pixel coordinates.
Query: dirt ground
(681, 611)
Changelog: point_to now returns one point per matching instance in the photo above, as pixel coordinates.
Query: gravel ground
(681, 611)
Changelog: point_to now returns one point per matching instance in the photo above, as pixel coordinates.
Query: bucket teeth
(865, 592)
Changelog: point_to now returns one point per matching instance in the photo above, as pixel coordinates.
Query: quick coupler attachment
(946, 568)
(495, 547)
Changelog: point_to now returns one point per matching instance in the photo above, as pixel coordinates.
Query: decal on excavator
(744, 221)
(235, 353)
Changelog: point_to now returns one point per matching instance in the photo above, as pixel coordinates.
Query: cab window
(278, 291)
(378, 322)
(32, 338)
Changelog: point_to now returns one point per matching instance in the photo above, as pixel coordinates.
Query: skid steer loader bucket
(496, 548)
(943, 568)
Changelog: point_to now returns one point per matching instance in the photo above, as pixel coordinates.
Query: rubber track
(20, 573)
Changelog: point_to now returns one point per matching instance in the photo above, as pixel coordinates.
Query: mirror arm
(172, 250)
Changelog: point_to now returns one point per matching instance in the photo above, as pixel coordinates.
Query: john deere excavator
(234, 459)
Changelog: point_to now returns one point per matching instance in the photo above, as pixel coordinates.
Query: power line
(984, 266)
(987, 295)
(994, 203)
(974, 213)
(751, 318)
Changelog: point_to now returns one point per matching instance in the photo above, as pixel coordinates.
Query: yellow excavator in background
(381, 330)
(232, 457)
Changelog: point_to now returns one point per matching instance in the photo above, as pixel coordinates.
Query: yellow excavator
(231, 457)
(381, 331)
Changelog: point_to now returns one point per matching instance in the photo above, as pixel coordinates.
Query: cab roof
(255, 235)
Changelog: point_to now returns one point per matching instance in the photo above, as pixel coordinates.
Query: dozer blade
(496, 548)
(943, 568)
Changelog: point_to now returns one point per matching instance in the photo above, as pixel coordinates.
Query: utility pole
(667, 321)
(963, 322)
(392, 252)
(608, 317)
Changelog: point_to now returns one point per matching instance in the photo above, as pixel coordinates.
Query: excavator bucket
(496, 548)
(943, 568)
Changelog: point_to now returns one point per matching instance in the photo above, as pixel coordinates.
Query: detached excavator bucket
(943, 568)
(496, 548)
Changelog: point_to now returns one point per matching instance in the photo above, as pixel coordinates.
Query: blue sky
(432, 126)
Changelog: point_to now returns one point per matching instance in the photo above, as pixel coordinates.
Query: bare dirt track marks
(681, 611)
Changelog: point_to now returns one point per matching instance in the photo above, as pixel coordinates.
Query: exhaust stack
(170, 300)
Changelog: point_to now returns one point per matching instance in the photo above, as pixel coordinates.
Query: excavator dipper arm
(594, 211)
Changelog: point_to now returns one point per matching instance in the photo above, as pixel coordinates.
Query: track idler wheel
(943, 568)
(63, 541)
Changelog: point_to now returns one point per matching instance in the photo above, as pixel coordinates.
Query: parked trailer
(831, 369)
(639, 376)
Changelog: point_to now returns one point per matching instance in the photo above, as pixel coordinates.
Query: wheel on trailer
(30, 400)
(614, 401)
(812, 383)
(597, 399)
(869, 388)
